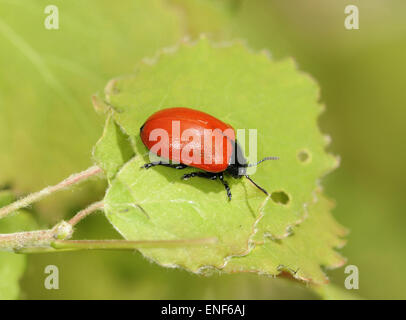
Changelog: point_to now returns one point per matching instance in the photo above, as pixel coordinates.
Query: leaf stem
(34, 197)
(85, 212)
(127, 244)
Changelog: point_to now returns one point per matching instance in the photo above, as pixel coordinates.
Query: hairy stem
(36, 239)
(85, 212)
(18, 240)
(34, 197)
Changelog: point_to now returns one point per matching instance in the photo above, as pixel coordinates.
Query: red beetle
(188, 131)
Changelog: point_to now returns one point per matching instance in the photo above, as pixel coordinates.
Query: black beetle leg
(207, 175)
(226, 186)
(211, 176)
(179, 166)
(160, 163)
(150, 165)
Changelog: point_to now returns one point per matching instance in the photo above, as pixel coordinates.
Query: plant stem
(36, 239)
(85, 212)
(18, 240)
(127, 244)
(73, 179)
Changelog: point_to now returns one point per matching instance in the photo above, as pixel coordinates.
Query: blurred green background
(48, 126)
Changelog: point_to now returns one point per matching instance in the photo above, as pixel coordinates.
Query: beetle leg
(149, 165)
(160, 163)
(175, 166)
(226, 186)
(207, 175)
(211, 176)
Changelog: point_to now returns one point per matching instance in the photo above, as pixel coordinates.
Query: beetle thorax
(237, 166)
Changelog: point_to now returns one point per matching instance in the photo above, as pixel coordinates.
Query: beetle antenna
(264, 159)
(260, 188)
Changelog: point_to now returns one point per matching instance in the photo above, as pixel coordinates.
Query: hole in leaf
(280, 197)
(303, 156)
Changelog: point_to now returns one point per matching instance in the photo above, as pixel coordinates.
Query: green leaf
(12, 265)
(302, 254)
(157, 205)
(113, 149)
(248, 91)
